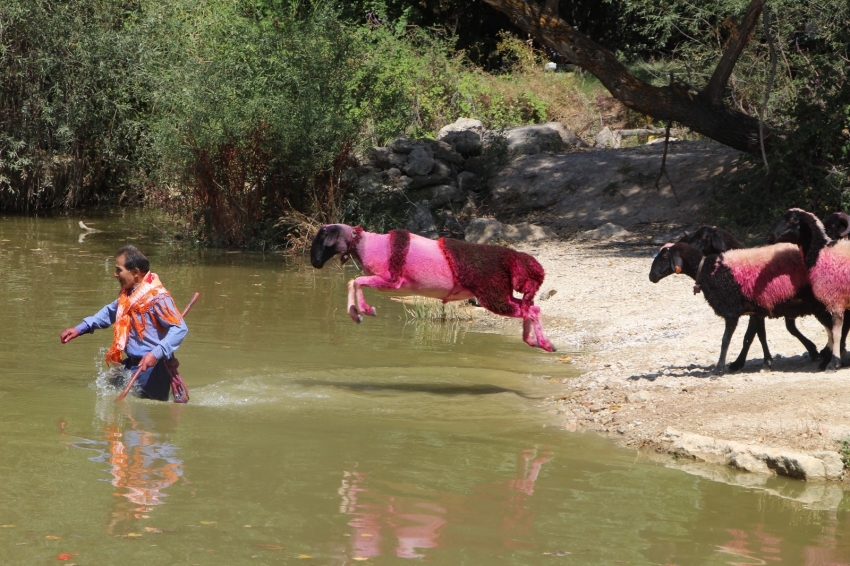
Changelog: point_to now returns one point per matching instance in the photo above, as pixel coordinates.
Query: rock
(464, 135)
(607, 231)
(442, 195)
(607, 138)
(385, 158)
(525, 232)
(832, 463)
(441, 169)
(483, 230)
(638, 397)
(446, 153)
(462, 125)
(423, 181)
(757, 458)
(537, 138)
(402, 145)
(422, 222)
(419, 162)
(449, 222)
(468, 181)
(370, 183)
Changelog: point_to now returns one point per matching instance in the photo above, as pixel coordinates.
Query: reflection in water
(142, 464)
(760, 547)
(412, 523)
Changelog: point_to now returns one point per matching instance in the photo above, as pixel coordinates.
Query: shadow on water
(478, 389)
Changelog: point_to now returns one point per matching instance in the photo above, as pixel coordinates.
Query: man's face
(126, 278)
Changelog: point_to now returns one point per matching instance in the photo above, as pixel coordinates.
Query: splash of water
(109, 381)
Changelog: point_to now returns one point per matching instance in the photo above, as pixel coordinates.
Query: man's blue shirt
(162, 338)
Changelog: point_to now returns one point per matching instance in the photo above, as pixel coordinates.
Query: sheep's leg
(791, 326)
(530, 316)
(731, 324)
(534, 318)
(752, 329)
(825, 355)
(353, 312)
(357, 305)
(767, 363)
(837, 328)
(844, 330)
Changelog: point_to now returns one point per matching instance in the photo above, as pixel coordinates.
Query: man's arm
(175, 332)
(102, 319)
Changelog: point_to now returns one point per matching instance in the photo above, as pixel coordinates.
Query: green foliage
(253, 113)
(69, 106)
(380, 212)
(844, 450)
(808, 159)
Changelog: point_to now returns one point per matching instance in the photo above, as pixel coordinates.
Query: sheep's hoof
(736, 365)
(370, 311)
(355, 316)
(766, 367)
(833, 365)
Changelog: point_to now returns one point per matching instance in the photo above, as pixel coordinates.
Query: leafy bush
(69, 107)
(253, 116)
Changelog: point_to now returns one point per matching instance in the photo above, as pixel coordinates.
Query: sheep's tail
(526, 276)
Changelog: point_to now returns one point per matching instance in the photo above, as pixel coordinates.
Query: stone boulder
(607, 231)
(464, 136)
(486, 230)
(537, 138)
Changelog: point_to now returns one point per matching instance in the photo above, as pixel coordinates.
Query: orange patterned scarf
(132, 309)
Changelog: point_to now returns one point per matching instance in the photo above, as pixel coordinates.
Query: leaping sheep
(445, 269)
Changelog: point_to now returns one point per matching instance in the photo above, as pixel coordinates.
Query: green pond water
(311, 440)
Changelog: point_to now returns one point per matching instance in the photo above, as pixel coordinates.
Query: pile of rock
(443, 178)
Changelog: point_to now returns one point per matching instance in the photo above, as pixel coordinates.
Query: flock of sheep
(804, 271)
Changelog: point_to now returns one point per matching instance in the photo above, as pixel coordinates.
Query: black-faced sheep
(446, 269)
(713, 240)
(828, 264)
(837, 225)
(768, 281)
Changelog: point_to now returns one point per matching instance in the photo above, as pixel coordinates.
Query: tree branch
(679, 103)
(713, 91)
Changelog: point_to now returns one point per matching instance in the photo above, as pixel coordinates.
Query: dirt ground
(645, 352)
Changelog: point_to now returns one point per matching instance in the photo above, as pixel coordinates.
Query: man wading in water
(148, 327)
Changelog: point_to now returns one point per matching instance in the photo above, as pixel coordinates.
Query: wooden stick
(138, 371)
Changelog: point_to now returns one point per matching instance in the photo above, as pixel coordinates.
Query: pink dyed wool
(768, 275)
(831, 277)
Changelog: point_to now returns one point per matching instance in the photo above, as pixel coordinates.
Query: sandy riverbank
(646, 354)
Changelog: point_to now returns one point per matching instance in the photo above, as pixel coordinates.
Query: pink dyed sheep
(769, 281)
(446, 269)
(828, 263)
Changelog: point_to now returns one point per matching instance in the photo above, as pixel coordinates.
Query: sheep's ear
(331, 236)
(845, 223)
(677, 262)
(717, 241)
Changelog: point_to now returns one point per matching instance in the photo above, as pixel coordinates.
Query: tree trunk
(703, 112)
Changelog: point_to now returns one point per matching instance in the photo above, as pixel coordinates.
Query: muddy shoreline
(645, 353)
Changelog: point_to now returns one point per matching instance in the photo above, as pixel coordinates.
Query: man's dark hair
(133, 259)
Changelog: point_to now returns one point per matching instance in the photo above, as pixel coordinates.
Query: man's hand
(68, 334)
(148, 361)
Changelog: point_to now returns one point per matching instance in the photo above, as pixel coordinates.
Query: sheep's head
(837, 225)
(787, 228)
(331, 239)
(708, 240)
(667, 261)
